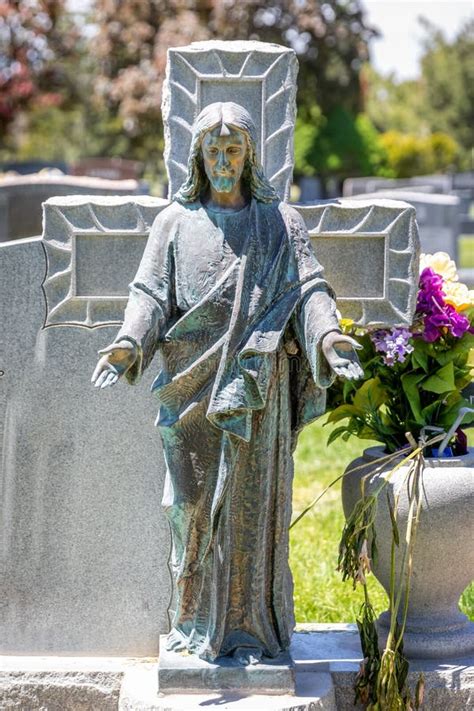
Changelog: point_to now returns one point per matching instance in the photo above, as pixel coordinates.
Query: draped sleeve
(315, 314)
(151, 304)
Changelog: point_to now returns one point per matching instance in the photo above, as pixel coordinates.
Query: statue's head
(230, 125)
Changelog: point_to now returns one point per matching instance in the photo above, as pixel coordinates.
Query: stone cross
(84, 545)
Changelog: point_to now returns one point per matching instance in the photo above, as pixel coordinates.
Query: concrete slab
(326, 661)
(314, 692)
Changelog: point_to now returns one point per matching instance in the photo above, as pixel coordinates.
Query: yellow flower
(458, 295)
(441, 263)
(346, 324)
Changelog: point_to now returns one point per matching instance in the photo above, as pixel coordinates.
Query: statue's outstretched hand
(339, 351)
(116, 360)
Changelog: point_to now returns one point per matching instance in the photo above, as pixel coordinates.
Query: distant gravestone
(27, 167)
(85, 546)
(21, 197)
(310, 190)
(437, 217)
(442, 183)
(108, 168)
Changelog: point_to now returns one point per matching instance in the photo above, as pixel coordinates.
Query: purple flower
(393, 343)
(445, 321)
(439, 318)
(430, 294)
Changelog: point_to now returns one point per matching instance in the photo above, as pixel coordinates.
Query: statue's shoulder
(171, 216)
(291, 217)
(170, 213)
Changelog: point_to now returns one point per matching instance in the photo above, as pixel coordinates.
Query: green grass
(319, 594)
(466, 252)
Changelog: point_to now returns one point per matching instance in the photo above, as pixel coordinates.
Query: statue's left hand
(339, 351)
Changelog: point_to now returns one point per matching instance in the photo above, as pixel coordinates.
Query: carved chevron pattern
(263, 81)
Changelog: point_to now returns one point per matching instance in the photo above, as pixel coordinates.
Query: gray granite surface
(84, 547)
(437, 217)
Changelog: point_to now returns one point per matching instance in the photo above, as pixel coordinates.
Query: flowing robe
(237, 306)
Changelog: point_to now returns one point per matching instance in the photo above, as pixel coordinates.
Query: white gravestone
(85, 545)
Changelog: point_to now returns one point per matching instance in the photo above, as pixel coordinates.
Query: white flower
(441, 263)
(458, 295)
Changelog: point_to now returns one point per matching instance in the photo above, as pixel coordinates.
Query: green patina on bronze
(235, 302)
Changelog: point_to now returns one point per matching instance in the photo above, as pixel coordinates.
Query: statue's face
(224, 157)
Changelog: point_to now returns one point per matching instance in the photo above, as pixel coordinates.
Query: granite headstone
(84, 543)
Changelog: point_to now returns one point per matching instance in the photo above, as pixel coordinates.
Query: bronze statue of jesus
(231, 295)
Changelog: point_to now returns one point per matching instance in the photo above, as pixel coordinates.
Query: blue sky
(399, 48)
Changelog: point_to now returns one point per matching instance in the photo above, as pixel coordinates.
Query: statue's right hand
(116, 360)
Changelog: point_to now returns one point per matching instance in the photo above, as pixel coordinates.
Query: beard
(223, 184)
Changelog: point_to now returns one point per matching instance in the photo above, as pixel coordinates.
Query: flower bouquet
(413, 377)
(410, 399)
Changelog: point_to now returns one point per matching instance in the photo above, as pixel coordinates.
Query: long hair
(232, 116)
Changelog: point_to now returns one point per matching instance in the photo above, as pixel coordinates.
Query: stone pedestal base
(433, 638)
(180, 672)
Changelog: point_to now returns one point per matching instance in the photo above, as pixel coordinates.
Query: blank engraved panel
(104, 265)
(93, 248)
(246, 93)
(347, 266)
(369, 250)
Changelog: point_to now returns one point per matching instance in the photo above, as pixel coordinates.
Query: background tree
(427, 123)
(448, 82)
(89, 83)
(394, 105)
(331, 41)
(330, 38)
(130, 52)
(338, 145)
(36, 36)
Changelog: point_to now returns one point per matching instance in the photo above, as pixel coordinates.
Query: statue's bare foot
(175, 642)
(247, 655)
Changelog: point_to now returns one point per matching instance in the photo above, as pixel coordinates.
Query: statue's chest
(204, 251)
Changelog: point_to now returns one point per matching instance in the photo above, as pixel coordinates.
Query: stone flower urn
(443, 563)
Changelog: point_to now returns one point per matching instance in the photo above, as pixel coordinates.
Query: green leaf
(341, 412)
(348, 388)
(410, 387)
(462, 346)
(420, 359)
(335, 434)
(442, 381)
(370, 396)
(367, 432)
(430, 413)
(449, 414)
